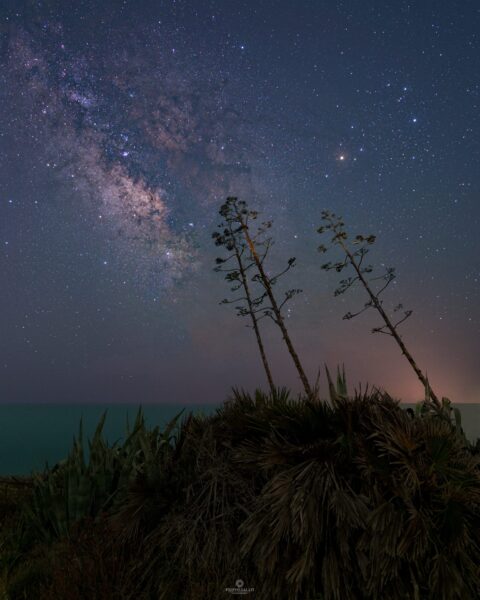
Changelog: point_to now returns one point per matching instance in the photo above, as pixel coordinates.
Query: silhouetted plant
(77, 488)
(354, 258)
(351, 499)
(233, 241)
(251, 251)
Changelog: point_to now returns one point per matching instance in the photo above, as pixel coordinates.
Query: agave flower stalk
(257, 247)
(274, 310)
(238, 276)
(354, 258)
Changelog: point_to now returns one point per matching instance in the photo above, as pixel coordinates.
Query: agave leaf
(331, 387)
(458, 418)
(171, 426)
(97, 436)
(341, 382)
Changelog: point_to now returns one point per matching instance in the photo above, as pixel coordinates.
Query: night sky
(124, 125)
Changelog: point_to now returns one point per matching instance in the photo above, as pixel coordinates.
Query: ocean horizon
(34, 435)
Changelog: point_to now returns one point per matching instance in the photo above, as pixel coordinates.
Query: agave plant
(77, 491)
(76, 488)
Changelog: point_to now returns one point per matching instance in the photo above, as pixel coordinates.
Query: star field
(123, 127)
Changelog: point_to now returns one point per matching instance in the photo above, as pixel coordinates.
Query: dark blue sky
(123, 126)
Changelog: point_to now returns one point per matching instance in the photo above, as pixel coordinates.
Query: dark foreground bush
(301, 499)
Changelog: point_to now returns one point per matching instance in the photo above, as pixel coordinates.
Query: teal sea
(32, 435)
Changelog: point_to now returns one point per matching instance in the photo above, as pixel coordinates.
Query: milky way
(123, 127)
(165, 127)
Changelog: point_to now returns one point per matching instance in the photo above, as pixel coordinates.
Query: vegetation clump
(353, 497)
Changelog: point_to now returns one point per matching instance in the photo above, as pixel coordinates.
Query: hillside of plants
(350, 497)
